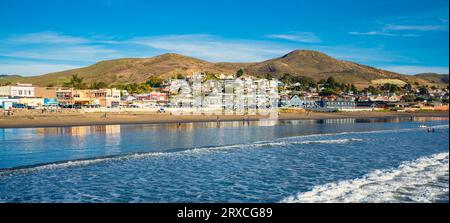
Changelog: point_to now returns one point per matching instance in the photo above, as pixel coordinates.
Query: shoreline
(89, 119)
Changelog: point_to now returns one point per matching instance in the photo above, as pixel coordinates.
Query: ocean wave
(176, 152)
(367, 132)
(294, 140)
(421, 180)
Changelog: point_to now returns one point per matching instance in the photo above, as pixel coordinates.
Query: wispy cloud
(408, 25)
(213, 48)
(382, 33)
(66, 53)
(33, 68)
(371, 33)
(45, 38)
(305, 37)
(50, 51)
(415, 27)
(417, 69)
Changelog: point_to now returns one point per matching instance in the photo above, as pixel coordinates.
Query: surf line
(196, 213)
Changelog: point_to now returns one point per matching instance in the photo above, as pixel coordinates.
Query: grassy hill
(298, 63)
(434, 78)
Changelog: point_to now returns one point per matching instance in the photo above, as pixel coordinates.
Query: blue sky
(406, 36)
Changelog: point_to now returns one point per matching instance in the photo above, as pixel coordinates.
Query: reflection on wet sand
(80, 130)
(190, 126)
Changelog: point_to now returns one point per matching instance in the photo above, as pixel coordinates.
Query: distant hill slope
(321, 66)
(299, 63)
(434, 78)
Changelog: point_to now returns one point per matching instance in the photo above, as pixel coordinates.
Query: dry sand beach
(75, 118)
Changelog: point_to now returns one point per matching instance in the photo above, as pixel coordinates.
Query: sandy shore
(79, 119)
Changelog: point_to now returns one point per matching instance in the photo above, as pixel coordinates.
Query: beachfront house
(96, 97)
(18, 91)
(295, 102)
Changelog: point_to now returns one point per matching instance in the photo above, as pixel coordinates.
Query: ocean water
(339, 160)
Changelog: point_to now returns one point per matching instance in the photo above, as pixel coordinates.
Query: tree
(329, 91)
(371, 89)
(154, 82)
(423, 90)
(408, 98)
(331, 83)
(210, 76)
(354, 89)
(407, 87)
(286, 78)
(239, 72)
(75, 82)
(391, 88)
(99, 85)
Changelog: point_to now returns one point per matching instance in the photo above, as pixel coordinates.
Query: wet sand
(80, 119)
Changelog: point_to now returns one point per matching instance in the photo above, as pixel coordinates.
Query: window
(29, 92)
(20, 92)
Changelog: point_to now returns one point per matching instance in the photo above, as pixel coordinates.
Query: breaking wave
(294, 140)
(175, 152)
(421, 180)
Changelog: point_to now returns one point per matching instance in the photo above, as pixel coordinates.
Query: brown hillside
(299, 62)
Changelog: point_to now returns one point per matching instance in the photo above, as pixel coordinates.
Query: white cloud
(45, 37)
(66, 52)
(381, 33)
(213, 48)
(371, 33)
(33, 68)
(415, 27)
(417, 69)
(306, 37)
(85, 53)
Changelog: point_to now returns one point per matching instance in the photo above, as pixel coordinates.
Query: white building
(18, 91)
(112, 97)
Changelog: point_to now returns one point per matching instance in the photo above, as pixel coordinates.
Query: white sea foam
(421, 180)
(294, 140)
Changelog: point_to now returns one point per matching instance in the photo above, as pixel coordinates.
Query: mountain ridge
(314, 64)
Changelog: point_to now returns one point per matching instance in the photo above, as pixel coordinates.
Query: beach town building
(34, 102)
(154, 97)
(45, 92)
(96, 97)
(18, 91)
(65, 96)
(295, 101)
